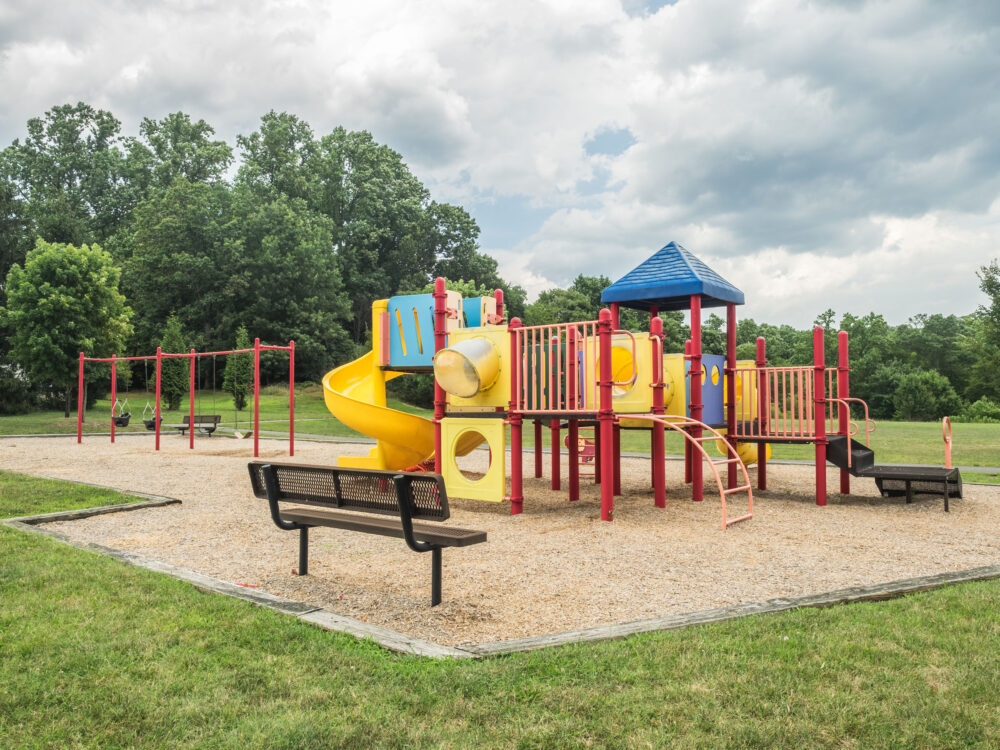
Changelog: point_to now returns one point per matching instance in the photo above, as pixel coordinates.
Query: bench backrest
(203, 418)
(364, 490)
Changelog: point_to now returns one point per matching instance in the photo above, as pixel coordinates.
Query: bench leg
(435, 576)
(304, 551)
(909, 491)
(946, 494)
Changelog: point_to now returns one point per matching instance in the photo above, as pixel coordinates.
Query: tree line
(106, 238)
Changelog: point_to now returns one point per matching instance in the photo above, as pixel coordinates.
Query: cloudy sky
(817, 154)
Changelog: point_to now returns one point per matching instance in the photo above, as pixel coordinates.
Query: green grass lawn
(95, 653)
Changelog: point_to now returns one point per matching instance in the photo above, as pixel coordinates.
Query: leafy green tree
(177, 147)
(925, 395)
(13, 231)
(983, 343)
(68, 171)
(174, 373)
(187, 258)
(238, 376)
(63, 301)
(286, 284)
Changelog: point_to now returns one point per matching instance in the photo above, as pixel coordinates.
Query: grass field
(95, 653)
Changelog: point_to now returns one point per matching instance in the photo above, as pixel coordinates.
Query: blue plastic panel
(713, 411)
(411, 330)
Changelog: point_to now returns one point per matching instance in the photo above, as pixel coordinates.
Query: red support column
(516, 481)
(498, 296)
(554, 453)
(819, 419)
(763, 402)
(615, 316)
(697, 488)
(597, 454)
(573, 451)
(291, 398)
(440, 326)
(538, 448)
(79, 403)
(256, 397)
(658, 448)
(606, 417)
(617, 437)
(843, 391)
(159, 376)
(688, 460)
(731, 384)
(191, 404)
(114, 394)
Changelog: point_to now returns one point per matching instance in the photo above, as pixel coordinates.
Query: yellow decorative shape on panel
(454, 432)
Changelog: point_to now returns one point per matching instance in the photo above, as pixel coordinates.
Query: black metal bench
(342, 497)
(204, 423)
(895, 480)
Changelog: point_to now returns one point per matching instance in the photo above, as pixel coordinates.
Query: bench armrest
(274, 494)
(404, 496)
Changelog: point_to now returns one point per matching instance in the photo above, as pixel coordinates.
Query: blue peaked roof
(667, 279)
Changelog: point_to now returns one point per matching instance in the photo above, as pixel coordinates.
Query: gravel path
(556, 567)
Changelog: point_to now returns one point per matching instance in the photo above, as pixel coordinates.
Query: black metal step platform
(894, 480)
(862, 458)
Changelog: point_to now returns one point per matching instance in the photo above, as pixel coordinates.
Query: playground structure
(156, 423)
(591, 374)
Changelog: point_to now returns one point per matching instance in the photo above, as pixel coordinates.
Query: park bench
(387, 503)
(206, 424)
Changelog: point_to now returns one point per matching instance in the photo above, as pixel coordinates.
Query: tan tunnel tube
(468, 367)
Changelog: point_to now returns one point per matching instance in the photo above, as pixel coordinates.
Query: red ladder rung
(722, 462)
(747, 517)
(736, 489)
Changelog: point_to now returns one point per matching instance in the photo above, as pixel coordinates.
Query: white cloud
(813, 152)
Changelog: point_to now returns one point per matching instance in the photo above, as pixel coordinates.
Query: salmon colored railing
(557, 368)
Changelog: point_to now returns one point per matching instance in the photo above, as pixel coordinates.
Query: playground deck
(554, 568)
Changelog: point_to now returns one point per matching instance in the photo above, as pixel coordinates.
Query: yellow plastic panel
(636, 398)
(454, 433)
(498, 393)
(675, 400)
(746, 392)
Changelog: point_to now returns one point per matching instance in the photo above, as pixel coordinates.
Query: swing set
(120, 415)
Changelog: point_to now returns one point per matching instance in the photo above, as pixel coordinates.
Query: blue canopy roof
(667, 279)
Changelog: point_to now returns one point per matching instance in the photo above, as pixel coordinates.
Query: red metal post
(615, 316)
(617, 438)
(819, 420)
(114, 394)
(574, 425)
(514, 416)
(731, 384)
(498, 296)
(597, 454)
(157, 416)
(844, 391)
(538, 448)
(191, 403)
(440, 325)
(696, 403)
(256, 397)
(554, 453)
(291, 398)
(688, 457)
(606, 416)
(762, 407)
(658, 449)
(79, 403)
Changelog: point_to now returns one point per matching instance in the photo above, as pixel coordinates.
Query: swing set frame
(193, 357)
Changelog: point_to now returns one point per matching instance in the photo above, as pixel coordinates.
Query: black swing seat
(151, 423)
(122, 419)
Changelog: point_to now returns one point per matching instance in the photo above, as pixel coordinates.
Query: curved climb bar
(678, 425)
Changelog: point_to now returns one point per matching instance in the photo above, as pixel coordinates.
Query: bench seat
(442, 536)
